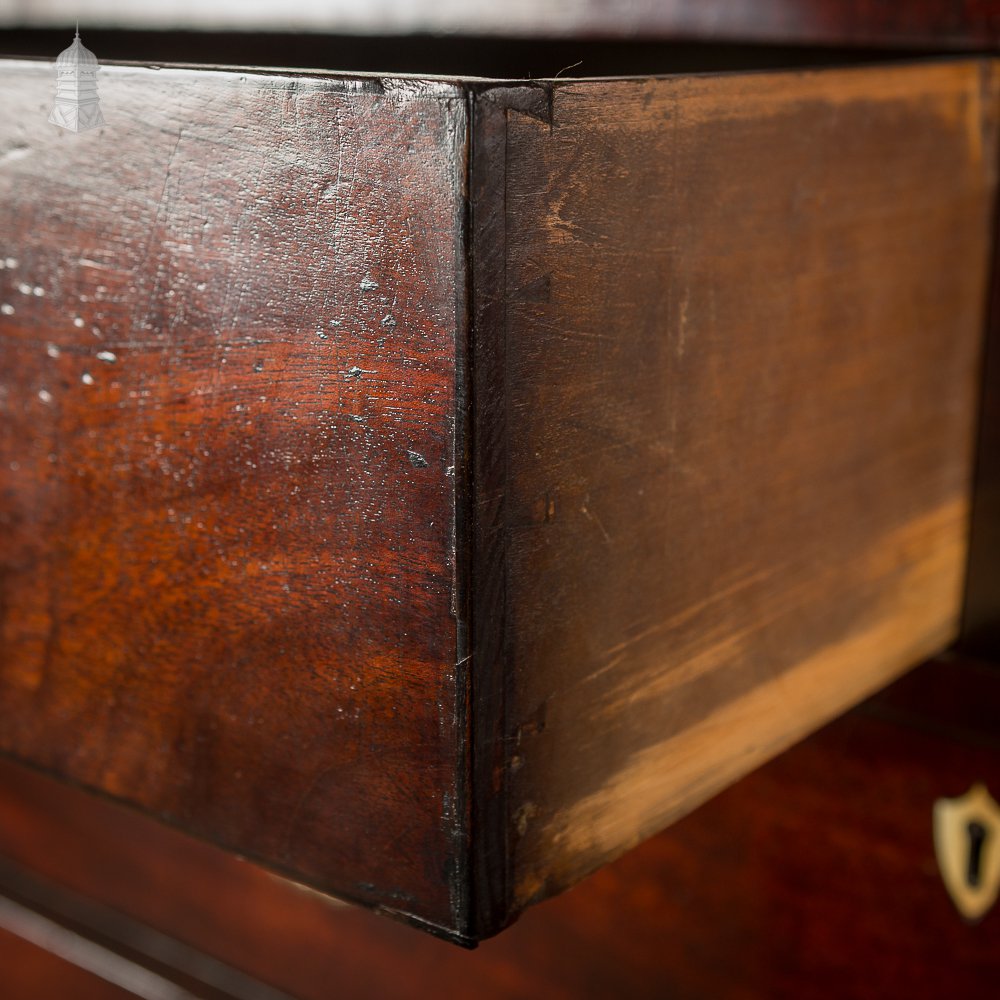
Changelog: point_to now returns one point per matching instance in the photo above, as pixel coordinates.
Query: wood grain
(814, 877)
(228, 393)
(430, 489)
(743, 329)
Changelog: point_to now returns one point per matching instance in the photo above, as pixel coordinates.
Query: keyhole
(977, 839)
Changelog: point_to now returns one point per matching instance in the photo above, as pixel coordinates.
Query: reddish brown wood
(436, 597)
(814, 877)
(227, 464)
(32, 973)
(741, 350)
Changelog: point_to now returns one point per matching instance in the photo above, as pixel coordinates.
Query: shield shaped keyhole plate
(967, 844)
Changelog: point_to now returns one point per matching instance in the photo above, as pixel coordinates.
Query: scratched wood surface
(228, 327)
(815, 877)
(726, 347)
(742, 330)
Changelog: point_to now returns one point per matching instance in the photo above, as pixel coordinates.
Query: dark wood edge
(458, 809)
(457, 934)
(491, 908)
(980, 633)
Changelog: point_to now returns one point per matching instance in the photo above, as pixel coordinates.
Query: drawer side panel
(743, 340)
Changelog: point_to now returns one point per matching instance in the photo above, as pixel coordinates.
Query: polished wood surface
(814, 877)
(741, 330)
(32, 973)
(441, 632)
(227, 464)
(923, 23)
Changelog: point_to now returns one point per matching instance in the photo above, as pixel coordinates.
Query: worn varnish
(430, 489)
(742, 327)
(227, 464)
(813, 877)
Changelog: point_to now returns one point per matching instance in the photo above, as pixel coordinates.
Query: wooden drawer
(431, 488)
(813, 877)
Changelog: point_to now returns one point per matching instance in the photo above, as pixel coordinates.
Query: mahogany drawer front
(228, 463)
(431, 488)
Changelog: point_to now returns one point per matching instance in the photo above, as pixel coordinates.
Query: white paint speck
(45, 396)
(78, 322)
(7, 309)
(11, 262)
(52, 351)
(87, 379)
(24, 288)
(38, 291)
(108, 356)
